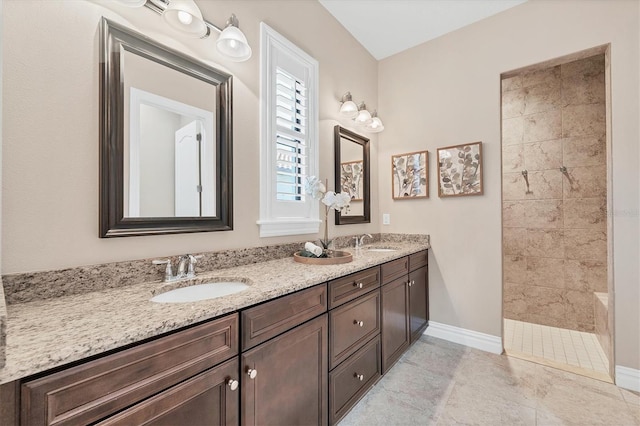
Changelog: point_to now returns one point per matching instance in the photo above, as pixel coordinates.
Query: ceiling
(386, 27)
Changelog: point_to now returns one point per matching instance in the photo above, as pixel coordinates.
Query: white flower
(315, 187)
(336, 201)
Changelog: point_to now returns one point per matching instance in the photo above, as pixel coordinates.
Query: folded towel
(313, 249)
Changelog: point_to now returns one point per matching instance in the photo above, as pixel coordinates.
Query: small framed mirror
(352, 175)
(165, 139)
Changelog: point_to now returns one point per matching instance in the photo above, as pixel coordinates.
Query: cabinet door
(284, 380)
(419, 302)
(395, 321)
(210, 398)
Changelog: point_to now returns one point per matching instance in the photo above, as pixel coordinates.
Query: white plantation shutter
(289, 140)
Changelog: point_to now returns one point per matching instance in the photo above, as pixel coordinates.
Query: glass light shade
(349, 109)
(363, 118)
(133, 3)
(375, 126)
(233, 44)
(184, 16)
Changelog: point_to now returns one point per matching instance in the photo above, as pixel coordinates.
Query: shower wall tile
(588, 67)
(543, 155)
(512, 131)
(581, 89)
(514, 186)
(512, 83)
(542, 126)
(585, 275)
(543, 214)
(542, 97)
(546, 184)
(512, 158)
(545, 302)
(545, 272)
(579, 308)
(585, 213)
(585, 182)
(584, 151)
(513, 214)
(515, 301)
(583, 120)
(585, 244)
(514, 269)
(513, 241)
(544, 76)
(513, 103)
(544, 243)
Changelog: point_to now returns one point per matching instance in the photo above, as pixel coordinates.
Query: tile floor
(441, 383)
(559, 345)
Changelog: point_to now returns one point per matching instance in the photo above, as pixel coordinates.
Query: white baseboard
(473, 339)
(628, 378)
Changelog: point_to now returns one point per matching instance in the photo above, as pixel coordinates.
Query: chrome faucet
(360, 240)
(186, 267)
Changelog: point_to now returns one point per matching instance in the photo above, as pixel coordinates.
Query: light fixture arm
(159, 6)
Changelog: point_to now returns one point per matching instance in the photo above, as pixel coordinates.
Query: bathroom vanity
(301, 346)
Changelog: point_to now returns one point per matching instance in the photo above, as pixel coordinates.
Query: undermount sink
(382, 249)
(205, 291)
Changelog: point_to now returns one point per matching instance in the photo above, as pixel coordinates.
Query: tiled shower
(555, 197)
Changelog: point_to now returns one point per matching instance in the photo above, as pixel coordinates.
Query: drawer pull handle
(359, 376)
(359, 285)
(358, 323)
(252, 373)
(233, 384)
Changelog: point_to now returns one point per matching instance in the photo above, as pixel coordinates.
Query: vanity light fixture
(348, 109)
(376, 125)
(185, 16)
(364, 117)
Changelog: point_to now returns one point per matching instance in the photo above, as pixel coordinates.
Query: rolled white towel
(317, 250)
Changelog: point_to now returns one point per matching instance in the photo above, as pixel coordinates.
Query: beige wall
(447, 92)
(50, 193)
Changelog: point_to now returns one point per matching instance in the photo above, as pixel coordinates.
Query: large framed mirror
(165, 139)
(352, 175)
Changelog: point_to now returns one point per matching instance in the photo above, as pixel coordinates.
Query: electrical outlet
(386, 219)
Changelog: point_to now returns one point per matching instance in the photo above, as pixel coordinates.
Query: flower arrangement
(331, 200)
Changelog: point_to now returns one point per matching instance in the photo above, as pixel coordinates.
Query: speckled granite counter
(44, 334)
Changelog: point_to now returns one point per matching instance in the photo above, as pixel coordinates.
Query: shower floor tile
(571, 350)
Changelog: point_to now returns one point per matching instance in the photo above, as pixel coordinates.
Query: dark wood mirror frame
(341, 133)
(114, 41)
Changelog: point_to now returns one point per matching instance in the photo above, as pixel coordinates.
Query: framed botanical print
(351, 179)
(460, 170)
(410, 175)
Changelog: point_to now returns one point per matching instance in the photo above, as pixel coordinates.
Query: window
(289, 136)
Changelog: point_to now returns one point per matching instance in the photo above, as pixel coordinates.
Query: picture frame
(351, 179)
(460, 170)
(410, 175)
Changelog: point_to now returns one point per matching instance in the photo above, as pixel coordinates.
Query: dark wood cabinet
(96, 389)
(395, 321)
(418, 302)
(210, 398)
(284, 380)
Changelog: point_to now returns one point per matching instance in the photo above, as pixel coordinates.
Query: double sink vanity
(293, 344)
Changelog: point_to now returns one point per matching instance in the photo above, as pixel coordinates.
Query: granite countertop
(44, 334)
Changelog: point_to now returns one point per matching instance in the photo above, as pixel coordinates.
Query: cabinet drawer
(265, 321)
(91, 391)
(351, 325)
(351, 380)
(418, 260)
(205, 399)
(395, 269)
(347, 288)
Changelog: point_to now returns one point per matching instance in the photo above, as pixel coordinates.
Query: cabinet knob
(358, 323)
(252, 373)
(359, 376)
(359, 285)
(409, 283)
(233, 384)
